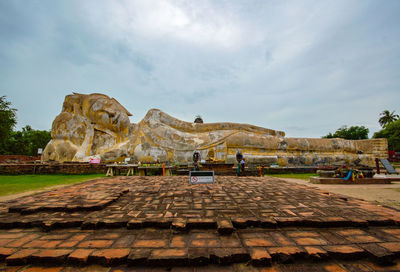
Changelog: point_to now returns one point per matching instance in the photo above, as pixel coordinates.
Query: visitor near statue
(196, 159)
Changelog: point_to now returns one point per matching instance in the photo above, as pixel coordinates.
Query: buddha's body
(95, 125)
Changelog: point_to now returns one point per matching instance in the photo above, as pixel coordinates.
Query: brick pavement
(165, 222)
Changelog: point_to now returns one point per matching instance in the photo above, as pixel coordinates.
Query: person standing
(242, 163)
(196, 159)
(240, 159)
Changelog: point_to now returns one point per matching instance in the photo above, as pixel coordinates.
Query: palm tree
(387, 117)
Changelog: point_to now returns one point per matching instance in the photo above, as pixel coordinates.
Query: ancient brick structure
(53, 168)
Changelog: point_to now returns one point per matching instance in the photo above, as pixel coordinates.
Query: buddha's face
(106, 113)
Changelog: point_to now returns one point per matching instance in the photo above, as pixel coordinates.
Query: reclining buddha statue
(96, 125)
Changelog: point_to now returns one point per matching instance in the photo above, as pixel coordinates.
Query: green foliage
(8, 120)
(387, 117)
(27, 141)
(351, 133)
(392, 133)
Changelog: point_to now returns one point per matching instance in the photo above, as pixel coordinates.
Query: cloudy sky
(304, 67)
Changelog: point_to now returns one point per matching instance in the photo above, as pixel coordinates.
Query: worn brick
(77, 237)
(228, 255)
(109, 256)
(334, 268)
(23, 240)
(79, 256)
(203, 235)
(282, 240)
(378, 268)
(5, 252)
(178, 241)
(50, 244)
(200, 223)
(286, 253)
(395, 232)
(169, 257)
(124, 242)
(379, 254)
(256, 242)
(302, 234)
(138, 256)
(198, 256)
(179, 224)
(260, 256)
(50, 256)
(224, 226)
(55, 236)
(310, 241)
(315, 252)
(20, 257)
(34, 243)
(204, 243)
(43, 269)
(11, 235)
(96, 243)
(4, 242)
(230, 241)
(156, 243)
(392, 246)
(67, 244)
(363, 239)
(334, 239)
(351, 232)
(344, 251)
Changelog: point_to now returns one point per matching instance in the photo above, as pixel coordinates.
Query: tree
(351, 133)
(392, 133)
(8, 120)
(36, 139)
(387, 117)
(27, 141)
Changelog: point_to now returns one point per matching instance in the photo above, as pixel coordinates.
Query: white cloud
(306, 67)
(194, 23)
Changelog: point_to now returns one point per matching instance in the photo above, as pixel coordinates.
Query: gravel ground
(380, 194)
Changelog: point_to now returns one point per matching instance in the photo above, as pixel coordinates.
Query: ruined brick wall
(30, 168)
(19, 158)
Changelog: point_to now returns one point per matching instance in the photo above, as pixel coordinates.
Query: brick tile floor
(242, 223)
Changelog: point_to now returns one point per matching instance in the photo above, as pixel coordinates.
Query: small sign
(94, 160)
(40, 151)
(388, 166)
(200, 177)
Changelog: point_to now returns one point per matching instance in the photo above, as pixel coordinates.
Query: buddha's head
(102, 111)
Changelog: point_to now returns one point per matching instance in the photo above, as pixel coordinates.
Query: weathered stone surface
(171, 202)
(246, 202)
(97, 125)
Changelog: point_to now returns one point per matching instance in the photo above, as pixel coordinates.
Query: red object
(259, 170)
(163, 169)
(392, 154)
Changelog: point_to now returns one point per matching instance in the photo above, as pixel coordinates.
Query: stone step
(152, 247)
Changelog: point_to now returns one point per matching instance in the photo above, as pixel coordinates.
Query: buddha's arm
(154, 117)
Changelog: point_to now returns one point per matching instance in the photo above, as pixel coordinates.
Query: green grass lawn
(21, 183)
(305, 176)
